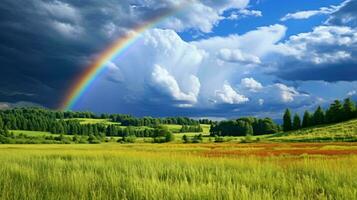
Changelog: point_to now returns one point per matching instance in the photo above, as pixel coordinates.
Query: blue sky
(221, 59)
(273, 11)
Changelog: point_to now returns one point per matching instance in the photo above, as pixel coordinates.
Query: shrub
(169, 137)
(185, 139)
(218, 139)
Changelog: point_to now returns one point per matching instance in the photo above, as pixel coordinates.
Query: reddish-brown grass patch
(280, 149)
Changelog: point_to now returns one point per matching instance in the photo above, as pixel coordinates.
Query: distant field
(94, 121)
(206, 128)
(176, 128)
(32, 133)
(179, 171)
(345, 131)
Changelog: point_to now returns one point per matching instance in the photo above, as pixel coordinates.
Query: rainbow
(118, 47)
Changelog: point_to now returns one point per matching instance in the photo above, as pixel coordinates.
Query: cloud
(345, 15)
(7, 105)
(251, 84)
(271, 94)
(310, 13)
(326, 53)
(257, 43)
(162, 78)
(60, 38)
(228, 95)
(114, 73)
(200, 15)
(236, 55)
(187, 75)
(67, 29)
(351, 93)
(234, 15)
(4, 106)
(255, 72)
(60, 10)
(283, 92)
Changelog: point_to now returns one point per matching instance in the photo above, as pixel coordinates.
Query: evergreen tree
(296, 122)
(335, 113)
(319, 116)
(287, 126)
(307, 119)
(348, 109)
(1, 123)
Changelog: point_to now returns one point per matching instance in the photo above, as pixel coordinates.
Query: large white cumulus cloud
(161, 67)
(162, 78)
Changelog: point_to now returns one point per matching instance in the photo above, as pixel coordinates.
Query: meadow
(94, 121)
(179, 171)
(344, 131)
(308, 163)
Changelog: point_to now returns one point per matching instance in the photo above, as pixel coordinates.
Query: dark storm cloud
(34, 57)
(44, 45)
(344, 71)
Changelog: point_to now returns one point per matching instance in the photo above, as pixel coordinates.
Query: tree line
(35, 119)
(191, 129)
(337, 112)
(150, 121)
(244, 126)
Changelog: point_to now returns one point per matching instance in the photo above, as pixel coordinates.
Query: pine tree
(319, 116)
(1, 123)
(307, 120)
(335, 112)
(296, 122)
(287, 121)
(348, 109)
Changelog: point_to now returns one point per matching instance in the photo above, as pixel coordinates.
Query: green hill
(345, 131)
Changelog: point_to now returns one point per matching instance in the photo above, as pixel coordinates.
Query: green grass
(206, 128)
(175, 128)
(113, 171)
(94, 121)
(345, 131)
(32, 133)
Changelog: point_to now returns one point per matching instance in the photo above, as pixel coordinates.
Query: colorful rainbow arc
(85, 79)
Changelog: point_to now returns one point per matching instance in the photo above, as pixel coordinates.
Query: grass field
(294, 165)
(32, 133)
(94, 121)
(178, 171)
(175, 128)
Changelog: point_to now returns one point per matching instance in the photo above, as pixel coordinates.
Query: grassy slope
(345, 131)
